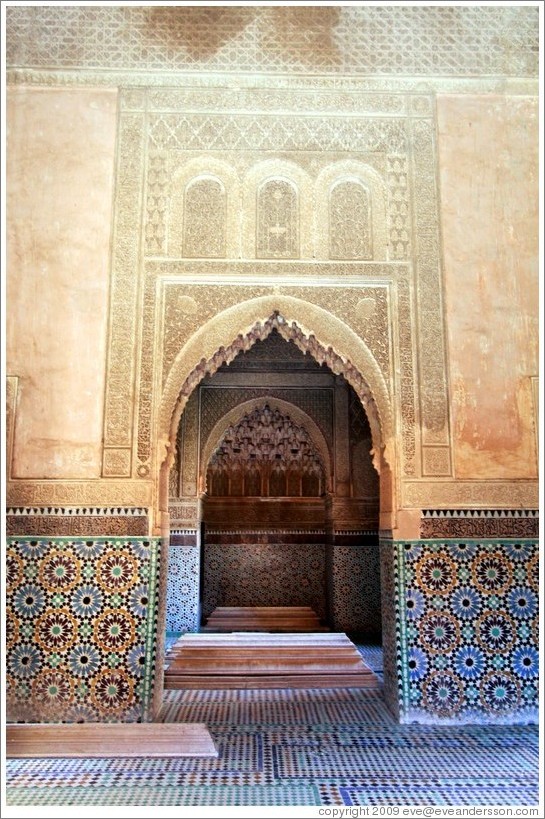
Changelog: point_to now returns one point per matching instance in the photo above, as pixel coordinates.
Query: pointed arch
(313, 329)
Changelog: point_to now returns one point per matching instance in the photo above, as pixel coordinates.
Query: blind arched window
(277, 221)
(350, 221)
(204, 219)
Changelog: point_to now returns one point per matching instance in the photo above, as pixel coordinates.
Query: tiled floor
(317, 747)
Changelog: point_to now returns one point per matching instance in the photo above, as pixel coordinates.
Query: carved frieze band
(346, 102)
(486, 523)
(77, 511)
(465, 494)
(97, 493)
(64, 525)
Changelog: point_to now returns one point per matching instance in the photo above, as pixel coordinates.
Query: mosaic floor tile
(314, 747)
(170, 795)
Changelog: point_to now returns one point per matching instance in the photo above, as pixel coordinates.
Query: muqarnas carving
(266, 454)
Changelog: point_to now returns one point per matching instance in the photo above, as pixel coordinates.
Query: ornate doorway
(347, 523)
(280, 449)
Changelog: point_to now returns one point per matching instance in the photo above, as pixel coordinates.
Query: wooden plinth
(94, 739)
(257, 660)
(264, 618)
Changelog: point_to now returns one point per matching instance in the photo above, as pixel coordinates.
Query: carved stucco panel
(80, 493)
(399, 225)
(190, 446)
(473, 494)
(432, 361)
(406, 170)
(12, 383)
(365, 309)
(124, 283)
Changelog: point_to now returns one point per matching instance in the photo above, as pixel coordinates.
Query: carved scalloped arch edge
(212, 346)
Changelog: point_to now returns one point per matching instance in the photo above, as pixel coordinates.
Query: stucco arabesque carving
(169, 133)
(335, 335)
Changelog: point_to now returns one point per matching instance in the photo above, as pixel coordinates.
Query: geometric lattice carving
(265, 454)
(277, 221)
(439, 40)
(204, 219)
(350, 221)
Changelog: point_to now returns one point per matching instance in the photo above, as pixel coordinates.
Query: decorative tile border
(81, 628)
(467, 631)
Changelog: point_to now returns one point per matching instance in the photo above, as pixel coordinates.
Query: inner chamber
(278, 448)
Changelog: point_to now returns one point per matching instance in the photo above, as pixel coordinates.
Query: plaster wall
(489, 208)
(60, 162)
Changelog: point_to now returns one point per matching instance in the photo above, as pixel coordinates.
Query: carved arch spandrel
(235, 416)
(332, 343)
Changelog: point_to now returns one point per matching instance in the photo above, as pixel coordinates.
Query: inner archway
(280, 449)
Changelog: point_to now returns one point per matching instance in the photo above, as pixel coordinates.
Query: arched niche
(199, 171)
(314, 330)
(268, 171)
(357, 172)
(234, 417)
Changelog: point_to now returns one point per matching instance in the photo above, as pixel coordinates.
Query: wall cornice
(353, 87)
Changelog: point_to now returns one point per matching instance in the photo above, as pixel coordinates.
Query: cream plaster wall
(489, 205)
(60, 161)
